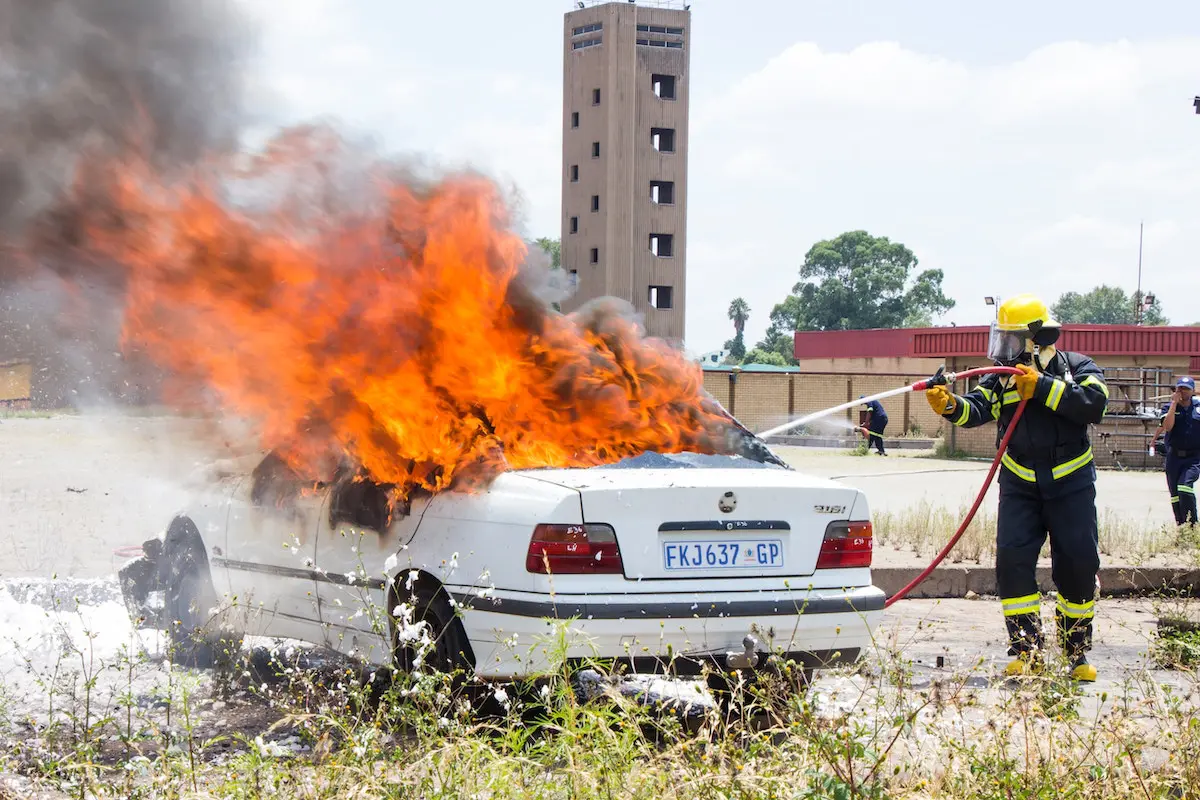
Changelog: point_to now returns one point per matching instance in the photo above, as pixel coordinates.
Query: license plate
(740, 554)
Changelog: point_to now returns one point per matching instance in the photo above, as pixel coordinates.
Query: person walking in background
(877, 420)
(1181, 424)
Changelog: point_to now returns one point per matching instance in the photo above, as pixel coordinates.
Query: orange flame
(359, 315)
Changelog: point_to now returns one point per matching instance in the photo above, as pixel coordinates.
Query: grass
(884, 729)
(924, 528)
(35, 413)
(942, 451)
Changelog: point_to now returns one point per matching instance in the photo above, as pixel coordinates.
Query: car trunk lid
(710, 523)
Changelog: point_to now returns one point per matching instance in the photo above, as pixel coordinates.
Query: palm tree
(739, 312)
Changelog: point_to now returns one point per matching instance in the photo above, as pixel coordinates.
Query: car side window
(275, 484)
(361, 502)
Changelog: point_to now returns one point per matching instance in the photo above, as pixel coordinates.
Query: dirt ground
(59, 654)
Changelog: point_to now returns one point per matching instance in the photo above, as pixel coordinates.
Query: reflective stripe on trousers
(1058, 473)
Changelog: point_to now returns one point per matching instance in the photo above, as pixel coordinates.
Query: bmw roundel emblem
(727, 503)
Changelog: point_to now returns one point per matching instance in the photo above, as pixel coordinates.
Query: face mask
(1006, 347)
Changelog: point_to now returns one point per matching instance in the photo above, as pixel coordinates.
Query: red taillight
(574, 550)
(846, 544)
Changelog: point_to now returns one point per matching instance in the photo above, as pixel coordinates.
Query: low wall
(762, 400)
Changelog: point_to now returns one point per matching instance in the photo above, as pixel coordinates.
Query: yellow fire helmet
(1026, 313)
(1020, 319)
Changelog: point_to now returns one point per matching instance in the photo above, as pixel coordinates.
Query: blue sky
(1016, 147)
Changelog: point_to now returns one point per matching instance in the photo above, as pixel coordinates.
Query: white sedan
(660, 562)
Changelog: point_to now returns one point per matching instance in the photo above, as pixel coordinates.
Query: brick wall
(765, 399)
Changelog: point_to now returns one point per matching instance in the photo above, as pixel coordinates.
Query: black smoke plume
(98, 77)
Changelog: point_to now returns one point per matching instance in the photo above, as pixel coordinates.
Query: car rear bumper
(515, 634)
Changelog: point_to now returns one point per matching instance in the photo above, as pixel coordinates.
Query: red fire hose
(941, 380)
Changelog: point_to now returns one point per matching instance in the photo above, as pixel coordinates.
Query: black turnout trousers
(1065, 510)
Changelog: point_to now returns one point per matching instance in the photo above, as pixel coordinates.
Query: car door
(270, 543)
(359, 531)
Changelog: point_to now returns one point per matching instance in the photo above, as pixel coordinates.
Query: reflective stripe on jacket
(1053, 432)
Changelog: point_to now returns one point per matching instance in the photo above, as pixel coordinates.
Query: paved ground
(898, 480)
(73, 488)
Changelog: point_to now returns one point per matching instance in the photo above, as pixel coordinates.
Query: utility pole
(1137, 298)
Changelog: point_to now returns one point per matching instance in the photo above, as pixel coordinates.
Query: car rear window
(687, 461)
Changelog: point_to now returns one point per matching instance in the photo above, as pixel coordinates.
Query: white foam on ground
(43, 622)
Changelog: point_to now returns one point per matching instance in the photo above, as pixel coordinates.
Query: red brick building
(1140, 365)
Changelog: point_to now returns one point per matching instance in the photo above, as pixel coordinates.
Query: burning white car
(661, 562)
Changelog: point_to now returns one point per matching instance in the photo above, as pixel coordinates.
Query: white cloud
(1030, 173)
(1026, 175)
(880, 76)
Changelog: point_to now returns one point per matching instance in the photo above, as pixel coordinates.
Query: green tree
(1105, 305)
(760, 356)
(780, 338)
(859, 281)
(552, 248)
(739, 312)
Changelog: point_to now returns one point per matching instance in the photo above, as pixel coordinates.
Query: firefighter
(877, 420)
(1181, 423)
(1048, 483)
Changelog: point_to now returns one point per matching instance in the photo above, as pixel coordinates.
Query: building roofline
(968, 341)
(673, 5)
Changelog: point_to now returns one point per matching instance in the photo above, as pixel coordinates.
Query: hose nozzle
(940, 378)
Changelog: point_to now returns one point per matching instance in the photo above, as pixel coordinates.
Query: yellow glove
(940, 400)
(1026, 382)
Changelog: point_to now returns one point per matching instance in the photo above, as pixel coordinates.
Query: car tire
(451, 650)
(188, 595)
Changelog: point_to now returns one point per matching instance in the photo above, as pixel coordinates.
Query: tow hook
(747, 659)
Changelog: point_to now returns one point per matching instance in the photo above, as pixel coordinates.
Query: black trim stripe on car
(852, 601)
(299, 574)
(726, 525)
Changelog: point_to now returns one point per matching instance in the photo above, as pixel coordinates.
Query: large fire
(358, 315)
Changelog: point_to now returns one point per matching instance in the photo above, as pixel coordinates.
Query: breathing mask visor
(1007, 347)
(1023, 346)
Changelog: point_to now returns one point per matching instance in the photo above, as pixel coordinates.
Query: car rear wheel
(189, 597)
(431, 637)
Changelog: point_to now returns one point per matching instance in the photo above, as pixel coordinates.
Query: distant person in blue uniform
(1181, 424)
(877, 420)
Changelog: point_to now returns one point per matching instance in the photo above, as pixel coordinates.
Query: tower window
(595, 202)
(595, 149)
(662, 192)
(595, 97)
(662, 245)
(574, 173)
(574, 225)
(663, 139)
(664, 86)
(595, 256)
(661, 296)
(574, 119)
